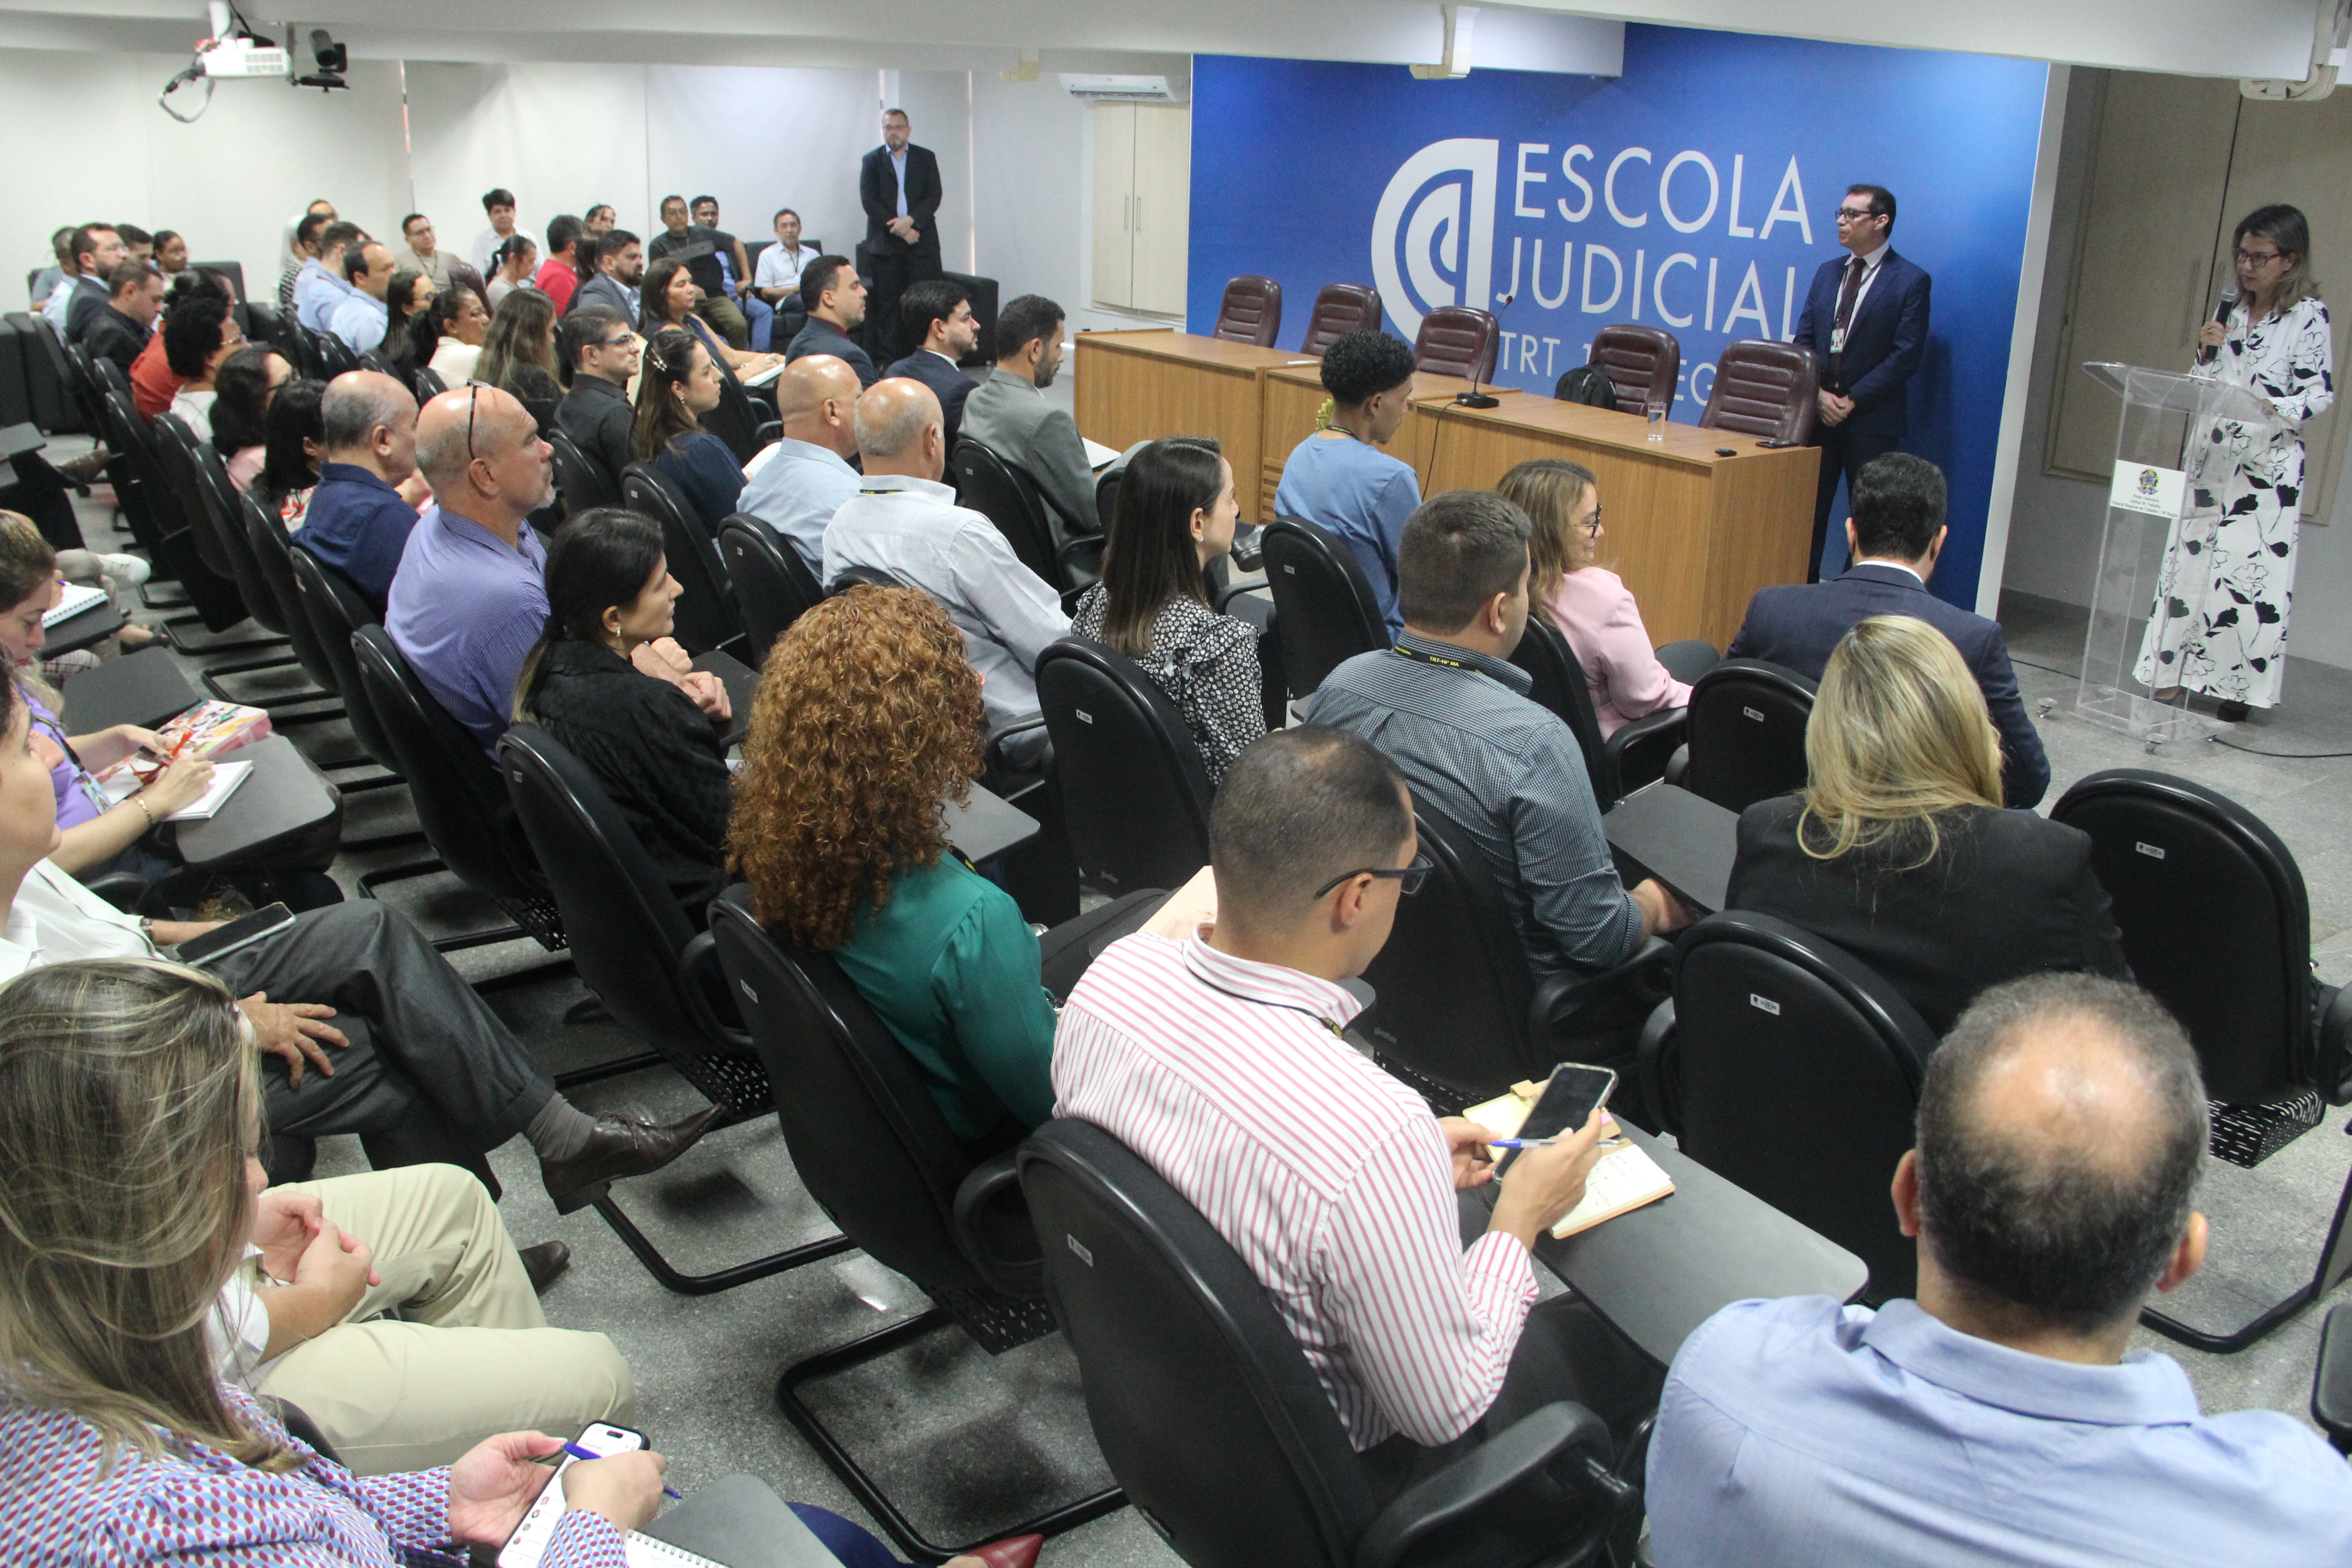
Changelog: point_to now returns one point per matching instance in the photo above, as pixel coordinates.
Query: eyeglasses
(1408, 879)
(473, 397)
(1592, 527)
(623, 341)
(1855, 215)
(2259, 257)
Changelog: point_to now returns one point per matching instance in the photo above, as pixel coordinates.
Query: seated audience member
(301, 256)
(696, 249)
(620, 269)
(833, 296)
(364, 316)
(322, 288)
(802, 482)
(559, 275)
(1895, 534)
(1008, 414)
(171, 253)
(1898, 840)
(514, 265)
(447, 334)
(98, 251)
(519, 355)
(296, 449)
(936, 316)
(680, 383)
(65, 267)
(499, 206)
(666, 300)
(599, 219)
(599, 682)
(1589, 603)
(154, 383)
(409, 307)
(903, 520)
(1176, 514)
(776, 279)
(425, 252)
(138, 245)
(1448, 708)
(1188, 1047)
(2003, 1415)
(735, 275)
(199, 333)
(605, 355)
(134, 300)
(242, 390)
(1336, 478)
(357, 522)
(468, 601)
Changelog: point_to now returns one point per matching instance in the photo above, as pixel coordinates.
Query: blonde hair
(1899, 732)
(128, 1102)
(1549, 489)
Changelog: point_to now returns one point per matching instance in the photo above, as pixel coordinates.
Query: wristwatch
(147, 930)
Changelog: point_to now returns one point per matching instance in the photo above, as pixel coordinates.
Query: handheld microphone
(1474, 398)
(2205, 351)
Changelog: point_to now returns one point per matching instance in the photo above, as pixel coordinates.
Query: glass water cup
(1657, 415)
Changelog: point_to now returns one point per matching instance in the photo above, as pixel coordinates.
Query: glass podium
(2175, 447)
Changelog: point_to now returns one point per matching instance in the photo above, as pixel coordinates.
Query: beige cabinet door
(1114, 280)
(1163, 206)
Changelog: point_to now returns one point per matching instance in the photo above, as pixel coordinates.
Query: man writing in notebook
(1216, 1053)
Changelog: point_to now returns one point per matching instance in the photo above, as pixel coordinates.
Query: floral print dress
(2228, 580)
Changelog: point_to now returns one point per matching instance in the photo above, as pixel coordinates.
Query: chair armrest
(2331, 1384)
(1644, 749)
(992, 748)
(2331, 1044)
(996, 1233)
(709, 997)
(124, 890)
(1645, 980)
(1496, 1492)
(1678, 765)
(1650, 1063)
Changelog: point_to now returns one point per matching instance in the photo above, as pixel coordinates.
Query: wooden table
(1293, 396)
(1141, 386)
(1694, 534)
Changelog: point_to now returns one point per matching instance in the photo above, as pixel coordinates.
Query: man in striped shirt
(1218, 1059)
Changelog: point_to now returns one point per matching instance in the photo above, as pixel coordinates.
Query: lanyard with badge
(90, 788)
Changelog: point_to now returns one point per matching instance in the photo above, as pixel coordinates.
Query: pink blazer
(1603, 625)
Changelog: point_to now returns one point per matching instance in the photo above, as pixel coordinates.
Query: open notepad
(226, 777)
(72, 602)
(1098, 457)
(1625, 1179)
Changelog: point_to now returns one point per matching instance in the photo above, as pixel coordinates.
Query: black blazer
(597, 416)
(1799, 626)
(2007, 894)
(115, 336)
(877, 192)
(1884, 342)
(950, 383)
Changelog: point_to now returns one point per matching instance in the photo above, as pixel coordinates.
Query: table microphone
(2205, 351)
(1474, 398)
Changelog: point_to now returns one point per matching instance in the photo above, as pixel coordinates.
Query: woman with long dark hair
(243, 389)
(515, 261)
(296, 445)
(1175, 515)
(408, 300)
(665, 298)
(447, 335)
(519, 355)
(680, 383)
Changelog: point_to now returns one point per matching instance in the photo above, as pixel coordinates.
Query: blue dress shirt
(358, 320)
(1359, 493)
(1799, 1433)
(796, 492)
(359, 525)
(318, 294)
(465, 606)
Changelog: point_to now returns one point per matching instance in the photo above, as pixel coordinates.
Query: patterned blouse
(1207, 663)
(61, 1508)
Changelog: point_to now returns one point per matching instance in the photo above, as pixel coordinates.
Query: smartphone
(1775, 445)
(538, 1527)
(1573, 1092)
(237, 935)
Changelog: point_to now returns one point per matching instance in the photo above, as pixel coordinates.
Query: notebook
(736, 1522)
(1098, 457)
(73, 602)
(1625, 1179)
(226, 777)
(763, 377)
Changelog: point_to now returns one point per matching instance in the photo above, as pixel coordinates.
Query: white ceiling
(2245, 37)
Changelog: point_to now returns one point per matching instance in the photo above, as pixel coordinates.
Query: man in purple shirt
(468, 600)
(357, 522)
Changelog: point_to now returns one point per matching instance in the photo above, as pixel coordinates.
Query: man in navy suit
(898, 185)
(1896, 533)
(936, 316)
(1867, 321)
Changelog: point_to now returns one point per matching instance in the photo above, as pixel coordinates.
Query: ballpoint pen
(577, 1452)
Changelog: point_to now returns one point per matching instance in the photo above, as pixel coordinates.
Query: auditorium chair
(873, 1150)
(737, 419)
(1340, 309)
(1643, 364)
(1457, 340)
(582, 481)
(429, 385)
(57, 407)
(222, 511)
(706, 617)
(1322, 603)
(1747, 720)
(1787, 1065)
(1133, 790)
(221, 596)
(1008, 497)
(658, 976)
(213, 598)
(1617, 764)
(773, 586)
(1460, 1011)
(1220, 1432)
(2331, 1383)
(1766, 389)
(273, 555)
(2217, 925)
(1251, 311)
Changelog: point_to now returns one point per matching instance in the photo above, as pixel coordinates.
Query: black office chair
(213, 598)
(1218, 1430)
(773, 586)
(1461, 1015)
(855, 575)
(1133, 790)
(1792, 1068)
(1009, 498)
(658, 976)
(273, 556)
(2216, 923)
(428, 383)
(382, 363)
(173, 450)
(873, 1150)
(1617, 764)
(580, 479)
(737, 419)
(706, 610)
(2331, 1382)
(1747, 720)
(336, 357)
(1322, 602)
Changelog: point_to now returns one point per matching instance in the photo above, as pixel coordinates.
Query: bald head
(901, 429)
(369, 420)
(816, 398)
(498, 476)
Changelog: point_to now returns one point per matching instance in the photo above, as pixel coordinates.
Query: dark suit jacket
(952, 386)
(112, 335)
(87, 302)
(1799, 626)
(2007, 894)
(1884, 342)
(822, 337)
(877, 192)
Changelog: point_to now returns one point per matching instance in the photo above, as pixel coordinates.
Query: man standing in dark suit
(1896, 533)
(900, 187)
(1865, 319)
(936, 318)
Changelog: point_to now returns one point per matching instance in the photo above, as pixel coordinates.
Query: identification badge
(1837, 339)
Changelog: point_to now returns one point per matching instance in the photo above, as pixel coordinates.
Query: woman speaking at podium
(2219, 623)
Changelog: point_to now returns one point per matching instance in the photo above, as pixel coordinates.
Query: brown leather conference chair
(1455, 339)
(1340, 309)
(1642, 364)
(1764, 388)
(1251, 312)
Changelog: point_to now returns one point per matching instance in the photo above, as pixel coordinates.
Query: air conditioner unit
(1118, 89)
(235, 59)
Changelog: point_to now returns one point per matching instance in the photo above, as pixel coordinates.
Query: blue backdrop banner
(1694, 192)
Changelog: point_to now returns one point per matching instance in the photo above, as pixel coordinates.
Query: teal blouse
(952, 967)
